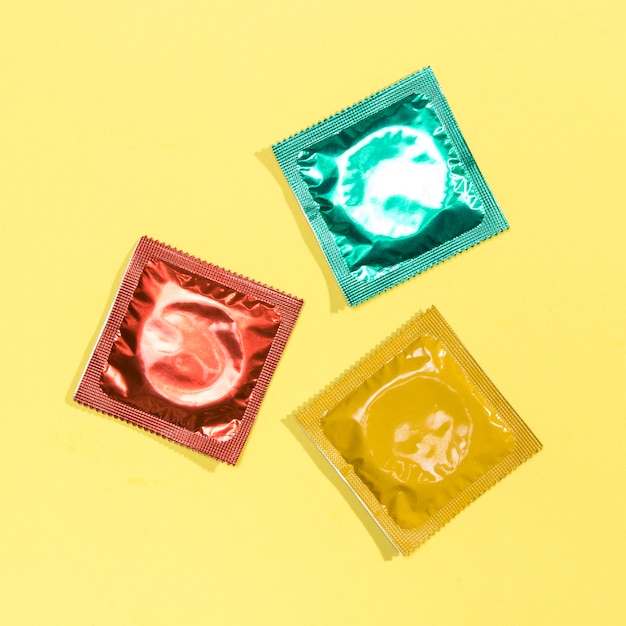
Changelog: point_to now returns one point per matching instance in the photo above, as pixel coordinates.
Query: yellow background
(120, 119)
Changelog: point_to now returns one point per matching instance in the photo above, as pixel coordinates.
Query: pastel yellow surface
(120, 119)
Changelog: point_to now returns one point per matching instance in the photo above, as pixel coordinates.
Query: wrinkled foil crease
(390, 187)
(417, 432)
(190, 350)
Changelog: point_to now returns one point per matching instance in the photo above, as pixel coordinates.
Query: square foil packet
(417, 431)
(389, 186)
(188, 350)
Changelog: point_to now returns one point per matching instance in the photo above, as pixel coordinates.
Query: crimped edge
(430, 323)
(89, 393)
(358, 291)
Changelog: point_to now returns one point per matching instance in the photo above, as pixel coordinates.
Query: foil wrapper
(188, 350)
(389, 186)
(418, 431)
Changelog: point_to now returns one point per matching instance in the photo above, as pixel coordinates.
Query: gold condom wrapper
(418, 431)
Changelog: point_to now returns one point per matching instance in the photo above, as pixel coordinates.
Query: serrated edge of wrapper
(430, 322)
(358, 291)
(89, 393)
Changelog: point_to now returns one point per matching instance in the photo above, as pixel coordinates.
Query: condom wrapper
(188, 350)
(389, 186)
(417, 431)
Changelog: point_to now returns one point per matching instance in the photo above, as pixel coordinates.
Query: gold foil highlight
(418, 431)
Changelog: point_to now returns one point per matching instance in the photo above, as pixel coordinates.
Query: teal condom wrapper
(389, 186)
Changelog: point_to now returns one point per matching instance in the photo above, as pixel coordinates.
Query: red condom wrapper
(188, 350)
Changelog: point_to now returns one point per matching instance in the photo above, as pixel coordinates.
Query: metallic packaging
(418, 431)
(389, 186)
(188, 350)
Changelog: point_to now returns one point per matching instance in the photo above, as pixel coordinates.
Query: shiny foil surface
(390, 187)
(190, 350)
(417, 430)
(417, 433)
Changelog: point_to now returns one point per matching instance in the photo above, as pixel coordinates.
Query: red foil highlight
(188, 350)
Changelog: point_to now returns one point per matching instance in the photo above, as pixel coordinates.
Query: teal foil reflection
(390, 187)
